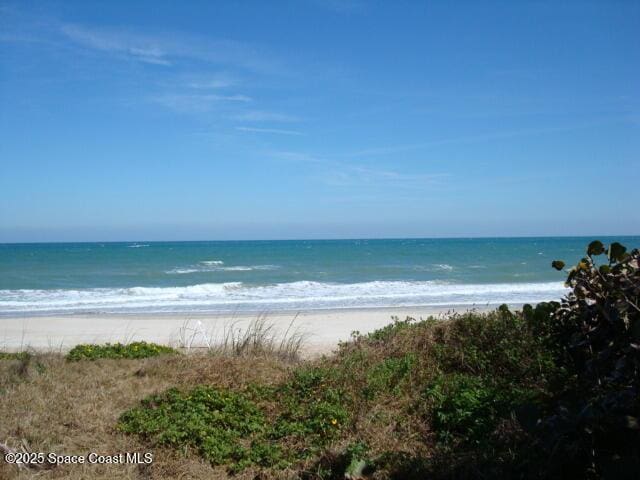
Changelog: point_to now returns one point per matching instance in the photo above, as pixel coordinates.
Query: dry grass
(73, 407)
(257, 338)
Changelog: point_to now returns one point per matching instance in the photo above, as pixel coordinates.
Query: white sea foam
(212, 262)
(216, 266)
(444, 266)
(180, 271)
(138, 245)
(232, 296)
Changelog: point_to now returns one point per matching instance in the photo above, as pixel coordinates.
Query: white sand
(322, 329)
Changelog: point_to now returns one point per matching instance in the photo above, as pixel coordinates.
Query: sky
(200, 120)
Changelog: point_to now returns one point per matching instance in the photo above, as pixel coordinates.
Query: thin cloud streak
(269, 130)
(265, 116)
(471, 138)
(213, 82)
(168, 49)
(356, 175)
(134, 47)
(196, 103)
(343, 174)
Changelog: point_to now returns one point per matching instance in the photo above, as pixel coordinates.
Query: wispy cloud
(277, 131)
(344, 174)
(299, 157)
(187, 103)
(354, 175)
(264, 116)
(170, 48)
(132, 46)
(217, 81)
(474, 138)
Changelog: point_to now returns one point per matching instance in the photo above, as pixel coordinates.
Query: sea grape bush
(594, 430)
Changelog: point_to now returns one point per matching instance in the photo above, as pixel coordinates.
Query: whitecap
(181, 271)
(216, 266)
(444, 266)
(300, 295)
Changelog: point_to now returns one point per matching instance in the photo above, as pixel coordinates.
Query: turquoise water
(281, 275)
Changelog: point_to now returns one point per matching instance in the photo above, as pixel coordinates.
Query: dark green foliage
(388, 375)
(225, 427)
(315, 410)
(595, 248)
(594, 428)
(466, 409)
(118, 350)
(500, 345)
(233, 428)
(492, 368)
(388, 331)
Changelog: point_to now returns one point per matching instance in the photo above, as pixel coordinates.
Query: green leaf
(604, 269)
(616, 251)
(595, 248)
(632, 422)
(557, 264)
(356, 469)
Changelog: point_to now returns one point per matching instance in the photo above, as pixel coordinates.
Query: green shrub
(466, 409)
(390, 330)
(314, 409)
(225, 427)
(499, 345)
(388, 375)
(14, 355)
(232, 428)
(118, 350)
(594, 430)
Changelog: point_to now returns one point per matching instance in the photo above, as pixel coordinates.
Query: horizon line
(455, 237)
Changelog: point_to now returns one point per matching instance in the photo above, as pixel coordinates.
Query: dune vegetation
(549, 391)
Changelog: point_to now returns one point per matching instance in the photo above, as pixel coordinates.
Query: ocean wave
(301, 295)
(181, 271)
(137, 245)
(444, 266)
(211, 266)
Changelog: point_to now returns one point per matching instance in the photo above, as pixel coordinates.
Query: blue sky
(318, 119)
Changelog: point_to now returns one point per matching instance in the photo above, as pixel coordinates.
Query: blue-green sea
(235, 276)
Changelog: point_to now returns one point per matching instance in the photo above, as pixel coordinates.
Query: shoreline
(322, 330)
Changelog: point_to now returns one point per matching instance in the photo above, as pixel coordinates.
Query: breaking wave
(301, 295)
(218, 266)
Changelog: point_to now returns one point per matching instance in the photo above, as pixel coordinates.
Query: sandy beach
(322, 329)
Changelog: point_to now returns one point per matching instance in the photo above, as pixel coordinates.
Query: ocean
(287, 275)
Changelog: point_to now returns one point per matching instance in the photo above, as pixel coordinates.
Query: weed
(14, 355)
(118, 350)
